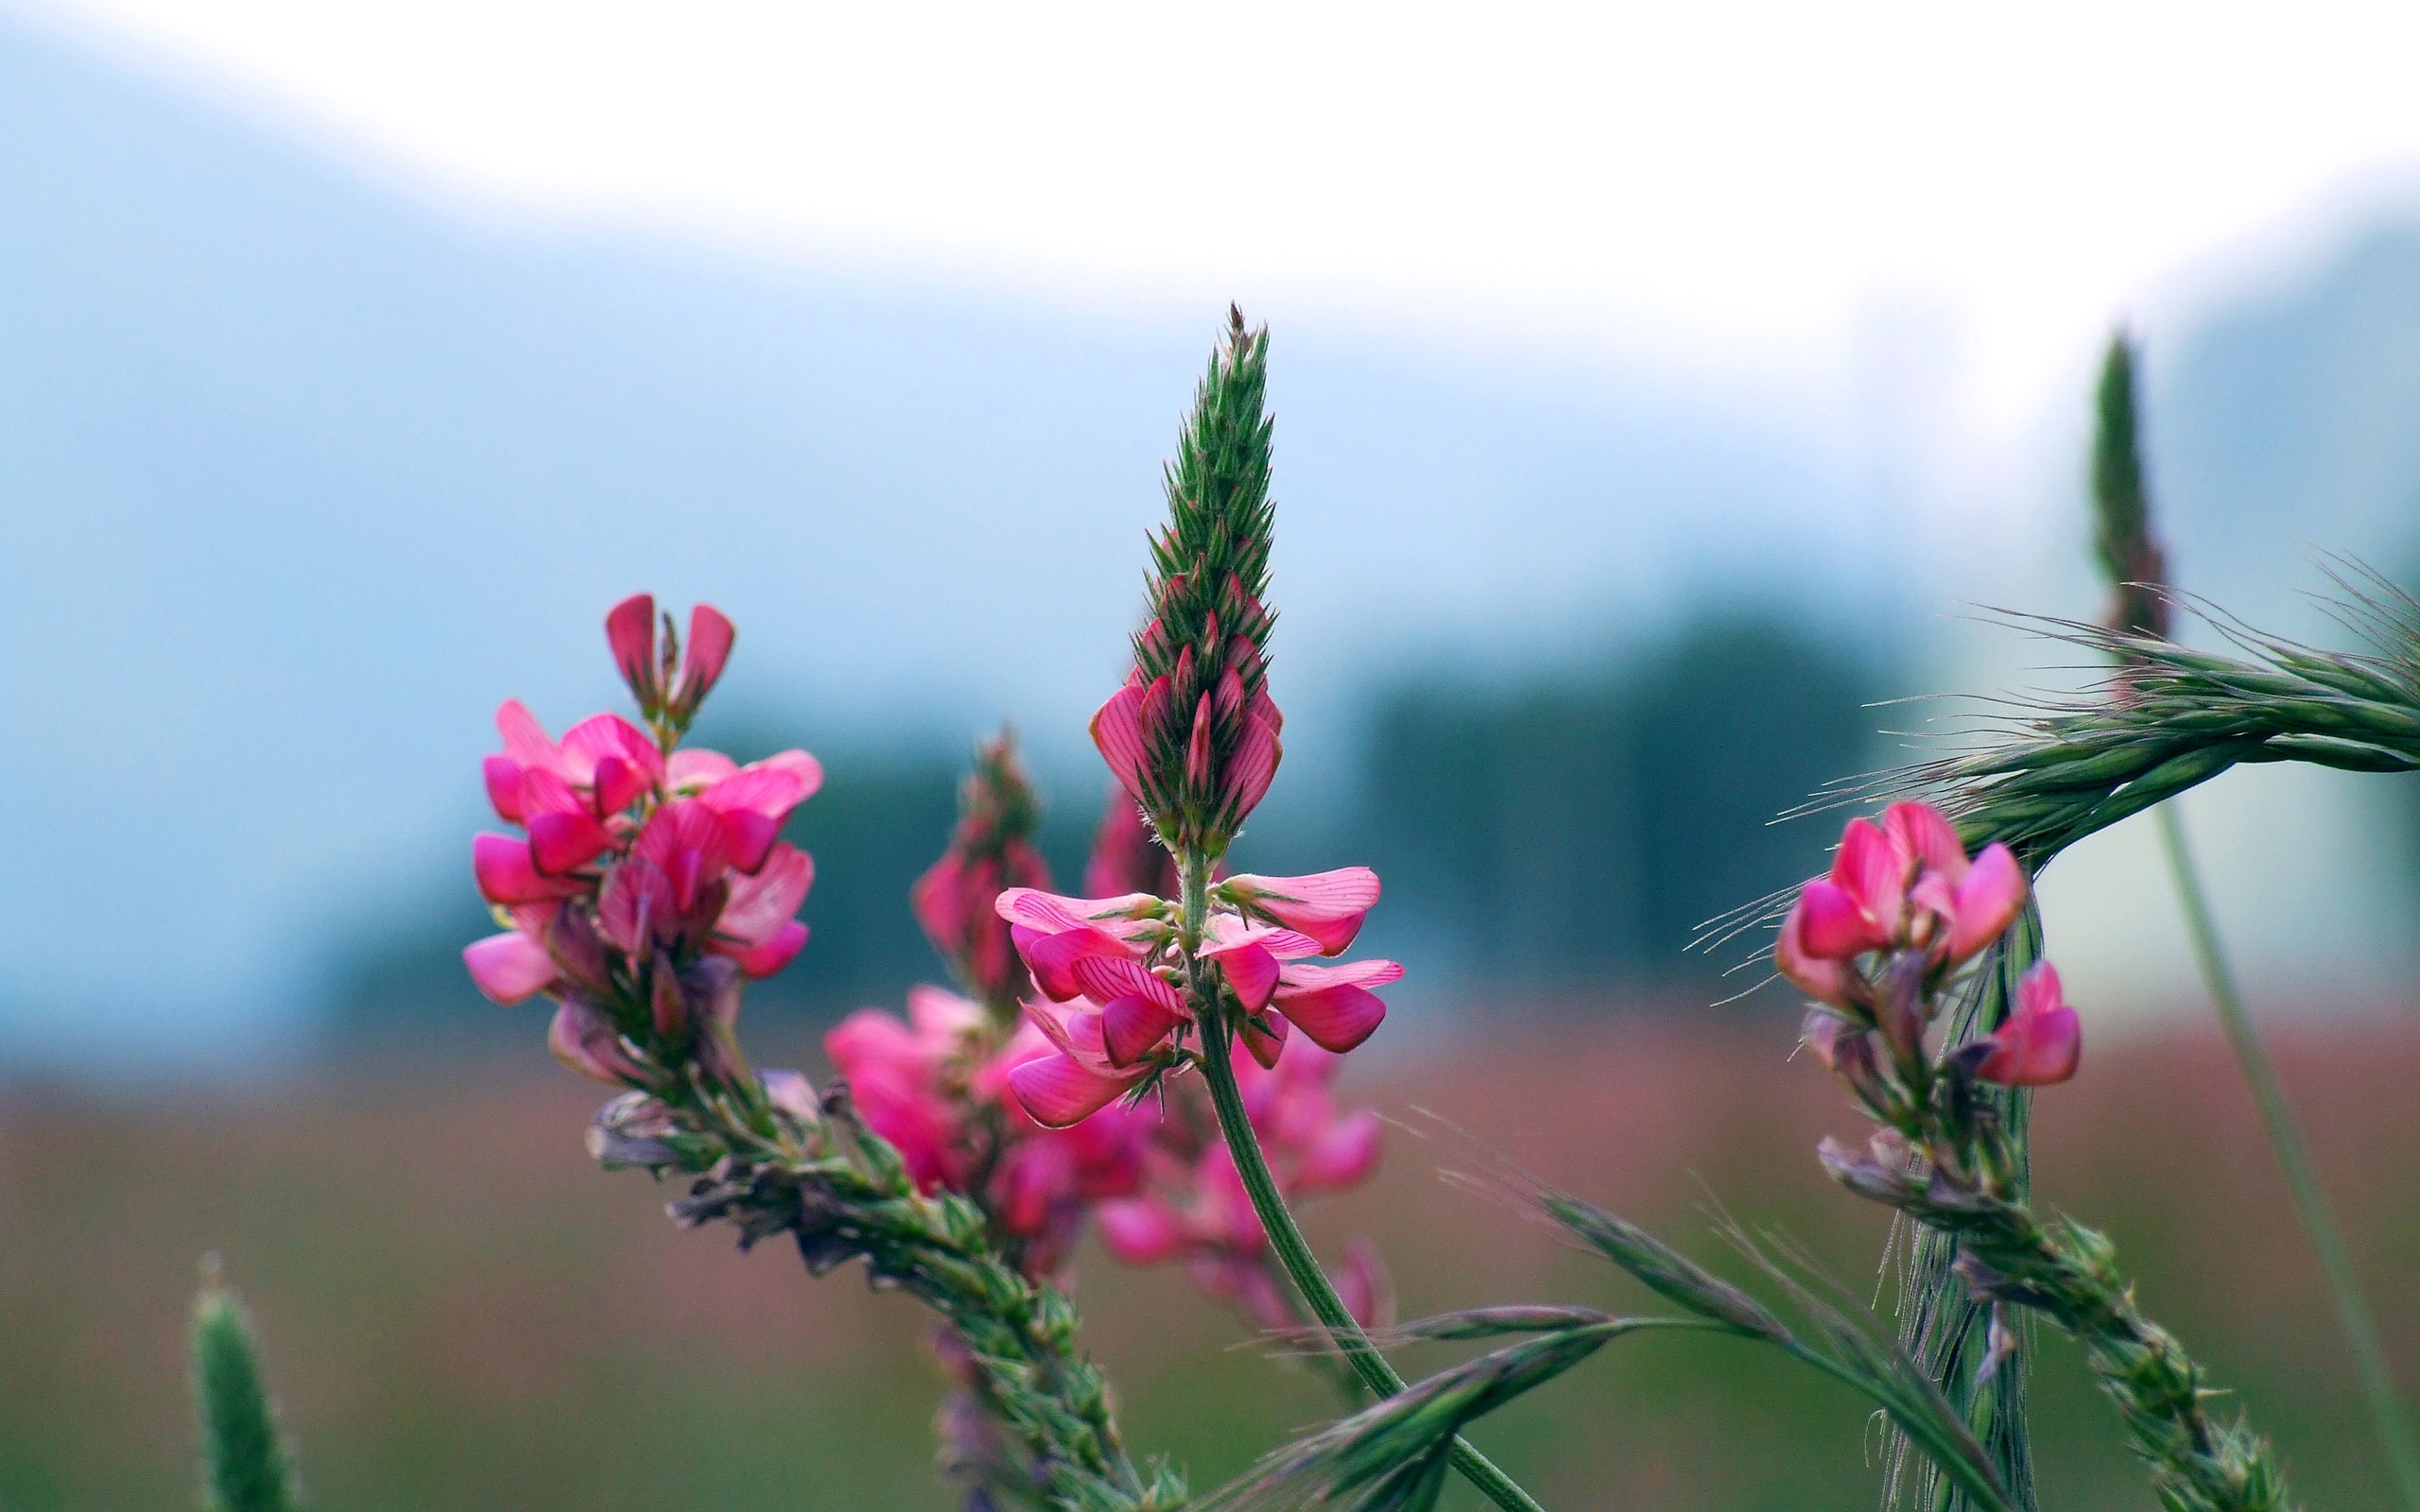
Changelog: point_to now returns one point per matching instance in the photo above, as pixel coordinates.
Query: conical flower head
(991, 849)
(1194, 734)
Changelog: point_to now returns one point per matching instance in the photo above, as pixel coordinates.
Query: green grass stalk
(2310, 1200)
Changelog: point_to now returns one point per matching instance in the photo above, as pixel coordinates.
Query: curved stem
(1302, 1269)
(2310, 1200)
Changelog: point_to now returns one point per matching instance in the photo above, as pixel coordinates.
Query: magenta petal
(510, 966)
(502, 777)
(1335, 1018)
(1871, 871)
(507, 875)
(1820, 977)
(524, 739)
(1265, 1038)
(766, 959)
(749, 836)
(761, 904)
(1132, 1026)
(1052, 958)
(1251, 766)
(1831, 925)
(711, 636)
(693, 768)
(1987, 902)
(1252, 976)
(629, 630)
(1057, 1094)
(1345, 1155)
(618, 784)
(1922, 835)
(1329, 906)
(1117, 730)
(563, 842)
(1140, 1231)
(1103, 977)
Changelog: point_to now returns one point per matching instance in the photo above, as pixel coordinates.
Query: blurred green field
(462, 1312)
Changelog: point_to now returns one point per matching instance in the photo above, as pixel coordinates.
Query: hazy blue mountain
(300, 474)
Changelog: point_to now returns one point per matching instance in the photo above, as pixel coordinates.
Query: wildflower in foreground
(1116, 1000)
(651, 880)
(1905, 885)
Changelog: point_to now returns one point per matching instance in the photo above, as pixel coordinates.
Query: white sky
(1738, 185)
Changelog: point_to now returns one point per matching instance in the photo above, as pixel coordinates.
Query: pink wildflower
(899, 1075)
(2042, 1041)
(990, 849)
(631, 631)
(1111, 962)
(1905, 885)
(649, 884)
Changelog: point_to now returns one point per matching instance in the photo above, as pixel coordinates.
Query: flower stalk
(2135, 567)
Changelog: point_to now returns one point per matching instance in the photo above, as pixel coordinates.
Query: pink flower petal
(1103, 977)
(635, 909)
(629, 630)
(761, 904)
(510, 966)
(1823, 978)
(1141, 1231)
(502, 777)
(1919, 832)
(2042, 1044)
(1252, 974)
(602, 735)
(618, 785)
(711, 636)
(764, 960)
(1251, 767)
(1329, 906)
(1052, 958)
(1344, 1156)
(1264, 1037)
(1303, 976)
(564, 841)
(506, 874)
(941, 1017)
(1117, 730)
(1987, 902)
(1871, 871)
(1335, 1017)
(1057, 1094)
(692, 769)
(1833, 927)
(749, 837)
(1134, 1026)
(524, 739)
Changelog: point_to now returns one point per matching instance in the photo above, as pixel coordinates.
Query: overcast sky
(1741, 186)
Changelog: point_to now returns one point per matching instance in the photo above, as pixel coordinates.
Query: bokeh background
(1659, 397)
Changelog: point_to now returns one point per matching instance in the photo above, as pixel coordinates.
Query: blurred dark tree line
(1551, 838)
(1574, 833)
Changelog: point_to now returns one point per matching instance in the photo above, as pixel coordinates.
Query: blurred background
(1658, 398)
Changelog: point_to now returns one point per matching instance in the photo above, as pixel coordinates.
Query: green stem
(1284, 1236)
(1302, 1269)
(2335, 1259)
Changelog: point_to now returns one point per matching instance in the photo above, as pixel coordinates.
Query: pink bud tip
(629, 629)
(710, 641)
(510, 966)
(2042, 1043)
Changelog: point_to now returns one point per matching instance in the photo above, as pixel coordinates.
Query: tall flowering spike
(1193, 736)
(2130, 555)
(990, 851)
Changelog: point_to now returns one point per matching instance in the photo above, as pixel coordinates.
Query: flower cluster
(1121, 991)
(1873, 942)
(650, 880)
(1194, 1207)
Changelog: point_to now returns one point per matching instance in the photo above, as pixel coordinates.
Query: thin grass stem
(2310, 1200)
